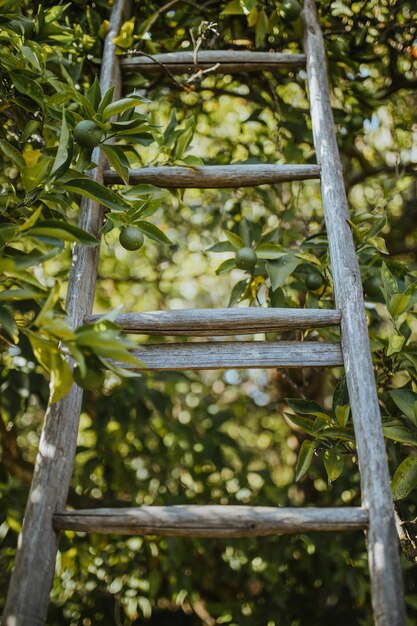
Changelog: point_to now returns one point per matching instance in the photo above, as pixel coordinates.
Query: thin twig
(161, 65)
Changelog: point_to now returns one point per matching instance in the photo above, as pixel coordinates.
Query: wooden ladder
(46, 516)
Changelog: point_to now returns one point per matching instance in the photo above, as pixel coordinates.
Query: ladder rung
(222, 322)
(214, 355)
(227, 61)
(216, 176)
(211, 520)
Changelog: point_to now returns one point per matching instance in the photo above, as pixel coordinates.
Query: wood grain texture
(222, 61)
(216, 176)
(387, 591)
(223, 322)
(211, 520)
(213, 355)
(32, 577)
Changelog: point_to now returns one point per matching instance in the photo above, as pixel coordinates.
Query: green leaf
(237, 293)
(261, 30)
(13, 154)
(378, 243)
(233, 8)
(7, 322)
(107, 99)
(184, 138)
(105, 344)
(411, 291)
(395, 343)
(397, 304)
(30, 128)
(152, 232)
(378, 225)
(65, 150)
(341, 405)
(118, 160)
(222, 246)
(169, 134)
(97, 192)
(143, 190)
(406, 401)
(405, 478)
(269, 251)
(248, 5)
(29, 88)
(302, 422)
(30, 221)
(280, 269)
(48, 355)
(56, 325)
(36, 175)
(58, 229)
(307, 407)
(192, 161)
(342, 413)
(226, 266)
(401, 434)
(19, 294)
(94, 94)
(89, 109)
(49, 303)
(333, 462)
(389, 282)
(115, 108)
(304, 459)
(343, 434)
(61, 378)
(234, 239)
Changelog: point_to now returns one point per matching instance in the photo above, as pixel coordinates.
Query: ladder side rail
(33, 573)
(384, 564)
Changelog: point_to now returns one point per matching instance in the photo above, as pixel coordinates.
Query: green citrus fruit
(245, 259)
(314, 281)
(87, 134)
(92, 378)
(290, 10)
(131, 238)
(372, 286)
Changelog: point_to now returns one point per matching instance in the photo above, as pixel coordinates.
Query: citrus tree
(278, 438)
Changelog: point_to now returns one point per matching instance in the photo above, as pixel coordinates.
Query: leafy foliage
(221, 438)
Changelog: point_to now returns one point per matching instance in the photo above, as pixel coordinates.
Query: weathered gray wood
(32, 577)
(216, 176)
(384, 563)
(211, 521)
(222, 322)
(222, 61)
(235, 354)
